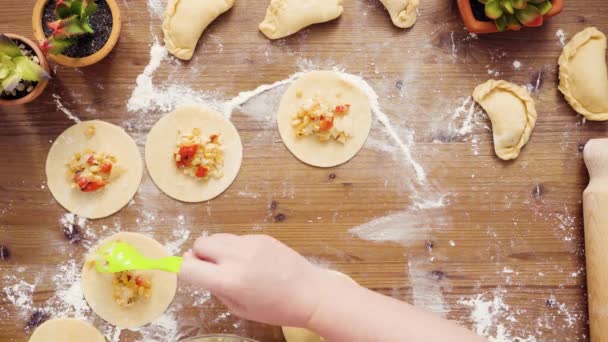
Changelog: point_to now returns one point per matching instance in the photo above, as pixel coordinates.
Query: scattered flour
(19, 293)
(402, 227)
(181, 234)
(516, 65)
(426, 291)
(561, 36)
(65, 111)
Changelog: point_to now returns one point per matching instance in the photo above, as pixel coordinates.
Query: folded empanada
(286, 17)
(403, 12)
(185, 20)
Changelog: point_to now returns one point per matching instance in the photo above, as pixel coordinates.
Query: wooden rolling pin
(595, 204)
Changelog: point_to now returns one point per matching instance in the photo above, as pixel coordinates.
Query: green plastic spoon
(120, 256)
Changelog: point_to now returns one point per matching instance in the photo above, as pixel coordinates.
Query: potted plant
(24, 71)
(489, 16)
(76, 33)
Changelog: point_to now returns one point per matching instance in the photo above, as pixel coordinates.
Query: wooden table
(508, 231)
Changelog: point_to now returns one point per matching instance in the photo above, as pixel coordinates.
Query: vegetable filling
(317, 118)
(90, 171)
(129, 288)
(199, 158)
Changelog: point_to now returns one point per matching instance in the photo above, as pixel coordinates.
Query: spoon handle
(171, 264)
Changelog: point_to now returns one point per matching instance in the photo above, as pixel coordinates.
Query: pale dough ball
(97, 287)
(332, 88)
(160, 149)
(303, 335)
(109, 139)
(66, 330)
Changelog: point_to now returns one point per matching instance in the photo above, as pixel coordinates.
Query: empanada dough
(185, 20)
(403, 12)
(513, 115)
(303, 335)
(66, 330)
(97, 287)
(110, 139)
(286, 17)
(583, 74)
(161, 144)
(335, 90)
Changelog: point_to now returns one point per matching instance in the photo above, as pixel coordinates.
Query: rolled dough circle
(161, 144)
(66, 330)
(97, 287)
(292, 334)
(335, 90)
(110, 139)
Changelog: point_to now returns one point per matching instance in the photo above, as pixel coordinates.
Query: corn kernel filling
(129, 288)
(199, 158)
(317, 118)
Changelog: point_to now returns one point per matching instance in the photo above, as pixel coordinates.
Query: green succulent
(514, 14)
(73, 17)
(16, 67)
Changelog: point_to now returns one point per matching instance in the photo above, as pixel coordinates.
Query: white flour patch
(403, 227)
(68, 299)
(249, 194)
(516, 65)
(561, 36)
(181, 234)
(20, 294)
(65, 111)
(489, 317)
(426, 291)
(156, 8)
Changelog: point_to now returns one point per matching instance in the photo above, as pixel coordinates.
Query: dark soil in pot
(85, 45)
(25, 87)
(479, 10)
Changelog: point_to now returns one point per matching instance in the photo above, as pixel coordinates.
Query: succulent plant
(514, 14)
(73, 18)
(16, 66)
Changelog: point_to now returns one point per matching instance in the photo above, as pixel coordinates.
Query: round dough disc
(66, 330)
(97, 287)
(303, 335)
(161, 144)
(110, 139)
(335, 90)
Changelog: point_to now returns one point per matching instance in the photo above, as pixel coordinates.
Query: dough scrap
(513, 115)
(286, 17)
(335, 90)
(185, 20)
(107, 138)
(66, 330)
(583, 74)
(161, 144)
(97, 287)
(292, 334)
(403, 12)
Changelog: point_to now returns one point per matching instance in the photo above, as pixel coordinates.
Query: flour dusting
(561, 36)
(62, 108)
(426, 291)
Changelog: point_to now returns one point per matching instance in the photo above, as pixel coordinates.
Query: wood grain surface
(507, 230)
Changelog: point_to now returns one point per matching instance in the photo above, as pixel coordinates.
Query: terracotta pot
(41, 85)
(476, 26)
(84, 61)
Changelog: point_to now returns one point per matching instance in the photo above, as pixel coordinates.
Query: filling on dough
(91, 171)
(129, 288)
(317, 118)
(198, 158)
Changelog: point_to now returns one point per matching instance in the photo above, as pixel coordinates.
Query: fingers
(200, 273)
(213, 248)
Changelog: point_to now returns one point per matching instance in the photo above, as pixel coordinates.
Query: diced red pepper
(138, 281)
(106, 168)
(88, 185)
(326, 124)
(186, 154)
(341, 109)
(201, 171)
(91, 160)
(214, 138)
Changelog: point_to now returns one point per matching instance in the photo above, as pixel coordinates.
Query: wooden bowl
(41, 85)
(84, 61)
(475, 26)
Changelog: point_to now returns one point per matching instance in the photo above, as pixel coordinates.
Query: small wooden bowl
(41, 85)
(475, 26)
(84, 61)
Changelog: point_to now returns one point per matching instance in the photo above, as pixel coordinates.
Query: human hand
(257, 277)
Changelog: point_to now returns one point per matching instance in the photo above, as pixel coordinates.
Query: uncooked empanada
(185, 20)
(583, 74)
(286, 17)
(403, 12)
(512, 112)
